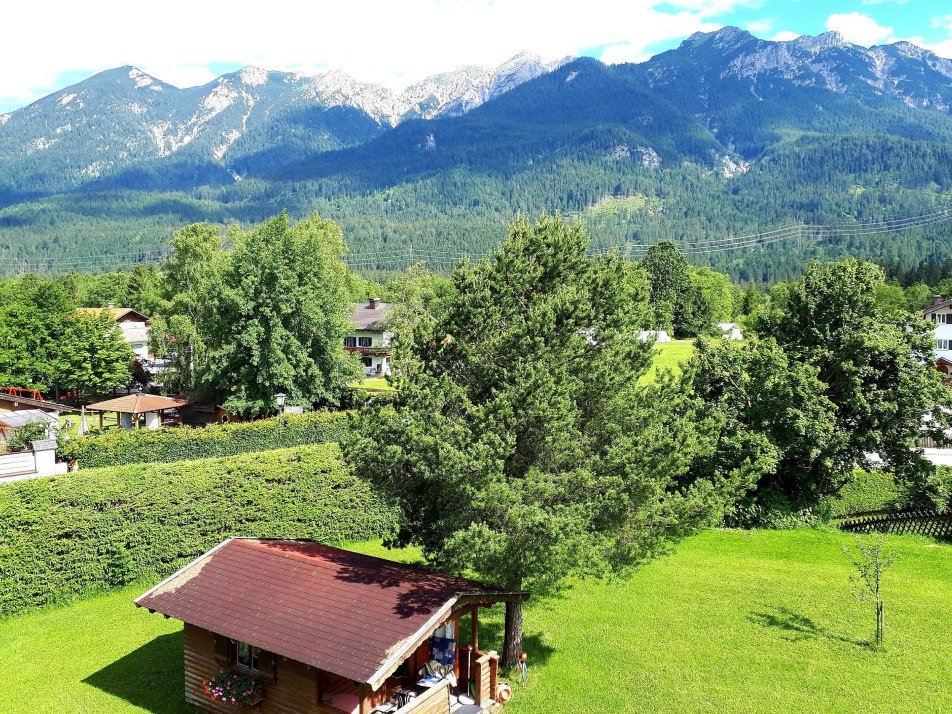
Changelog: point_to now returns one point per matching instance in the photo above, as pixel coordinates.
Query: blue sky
(186, 43)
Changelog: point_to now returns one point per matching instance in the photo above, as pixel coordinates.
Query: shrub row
(116, 447)
(70, 535)
(873, 490)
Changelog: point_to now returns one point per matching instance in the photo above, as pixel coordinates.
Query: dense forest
(639, 153)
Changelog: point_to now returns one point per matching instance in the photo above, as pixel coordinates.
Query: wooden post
(474, 627)
(100, 420)
(362, 697)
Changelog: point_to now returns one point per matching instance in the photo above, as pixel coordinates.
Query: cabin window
(365, 341)
(942, 344)
(368, 361)
(350, 341)
(247, 656)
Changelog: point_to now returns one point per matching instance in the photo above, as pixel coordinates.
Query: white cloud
(392, 43)
(858, 28)
(761, 26)
(179, 75)
(785, 36)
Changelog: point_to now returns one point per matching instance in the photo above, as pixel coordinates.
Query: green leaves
(69, 536)
(837, 375)
(519, 447)
(118, 447)
(267, 316)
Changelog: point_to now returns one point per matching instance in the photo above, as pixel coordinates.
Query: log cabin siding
(294, 690)
(435, 701)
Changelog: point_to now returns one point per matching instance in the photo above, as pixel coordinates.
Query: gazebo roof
(137, 404)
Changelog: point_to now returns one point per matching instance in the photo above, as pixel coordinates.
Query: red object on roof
(33, 394)
(349, 614)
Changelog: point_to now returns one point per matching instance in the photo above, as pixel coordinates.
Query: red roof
(350, 614)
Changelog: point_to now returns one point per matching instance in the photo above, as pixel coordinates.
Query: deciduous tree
(278, 316)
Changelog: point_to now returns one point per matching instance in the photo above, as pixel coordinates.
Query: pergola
(132, 406)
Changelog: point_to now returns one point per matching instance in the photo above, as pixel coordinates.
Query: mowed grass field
(731, 621)
(668, 355)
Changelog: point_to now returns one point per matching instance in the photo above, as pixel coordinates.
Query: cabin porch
(441, 677)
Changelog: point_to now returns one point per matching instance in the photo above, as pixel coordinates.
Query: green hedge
(873, 490)
(116, 447)
(69, 535)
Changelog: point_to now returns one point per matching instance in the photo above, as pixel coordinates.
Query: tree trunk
(513, 644)
(880, 624)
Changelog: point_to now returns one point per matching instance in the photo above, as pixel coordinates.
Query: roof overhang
(403, 650)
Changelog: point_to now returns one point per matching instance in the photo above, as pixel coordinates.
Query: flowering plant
(226, 686)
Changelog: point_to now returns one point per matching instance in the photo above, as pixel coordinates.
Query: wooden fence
(934, 524)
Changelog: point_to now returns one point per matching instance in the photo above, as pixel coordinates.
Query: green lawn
(373, 384)
(668, 355)
(731, 622)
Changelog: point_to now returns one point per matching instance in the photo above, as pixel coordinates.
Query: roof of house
(117, 312)
(365, 317)
(21, 418)
(138, 404)
(350, 614)
(38, 403)
(937, 305)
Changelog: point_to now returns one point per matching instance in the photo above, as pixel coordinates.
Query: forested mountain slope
(725, 135)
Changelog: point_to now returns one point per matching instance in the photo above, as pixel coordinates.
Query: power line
(398, 258)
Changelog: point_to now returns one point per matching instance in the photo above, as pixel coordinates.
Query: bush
(773, 508)
(117, 447)
(71, 535)
(23, 438)
(873, 490)
(933, 492)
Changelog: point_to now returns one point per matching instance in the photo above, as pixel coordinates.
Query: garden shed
(305, 627)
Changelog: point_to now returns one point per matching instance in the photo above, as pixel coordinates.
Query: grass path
(730, 622)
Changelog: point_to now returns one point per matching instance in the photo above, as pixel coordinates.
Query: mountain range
(726, 133)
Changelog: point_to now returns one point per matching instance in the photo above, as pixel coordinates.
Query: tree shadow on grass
(150, 678)
(491, 635)
(797, 627)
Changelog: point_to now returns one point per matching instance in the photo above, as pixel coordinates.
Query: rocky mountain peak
(725, 37)
(822, 41)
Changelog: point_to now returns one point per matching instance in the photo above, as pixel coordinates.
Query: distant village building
(134, 326)
(940, 314)
(19, 407)
(653, 336)
(325, 630)
(368, 337)
(730, 331)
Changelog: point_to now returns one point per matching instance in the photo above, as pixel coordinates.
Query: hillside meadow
(730, 621)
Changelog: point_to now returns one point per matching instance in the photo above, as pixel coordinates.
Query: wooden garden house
(330, 631)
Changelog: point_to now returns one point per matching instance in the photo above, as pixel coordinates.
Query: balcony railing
(368, 351)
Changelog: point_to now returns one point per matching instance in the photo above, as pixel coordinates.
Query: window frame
(350, 341)
(364, 341)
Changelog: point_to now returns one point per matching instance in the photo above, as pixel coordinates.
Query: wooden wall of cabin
(293, 691)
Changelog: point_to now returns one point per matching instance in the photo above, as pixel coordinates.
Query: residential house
(19, 407)
(368, 337)
(730, 330)
(134, 326)
(940, 314)
(327, 630)
(653, 336)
